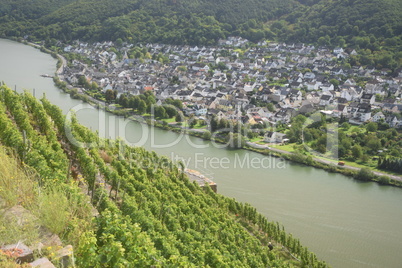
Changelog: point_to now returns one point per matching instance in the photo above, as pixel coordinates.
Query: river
(345, 222)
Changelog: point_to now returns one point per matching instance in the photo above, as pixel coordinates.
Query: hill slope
(168, 21)
(150, 213)
(333, 20)
(372, 24)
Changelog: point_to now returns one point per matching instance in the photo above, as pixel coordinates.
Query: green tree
(94, 86)
(159, 112)
(271, 107)
(82, 81)
(192, 122)
(170, 111)
(142, 107)
(357, 151)
(123, 101)
(214, 123)
(374, 144)
(179, 117)
(345, 126)
(236, 140)
(334, 82)
(110, 95)
(384, 180)
(372, 127)
(364, 174)
(134, 102)
(206, 135)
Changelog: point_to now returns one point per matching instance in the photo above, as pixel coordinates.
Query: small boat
(46, 76)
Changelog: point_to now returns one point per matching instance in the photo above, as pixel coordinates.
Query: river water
(345, 222)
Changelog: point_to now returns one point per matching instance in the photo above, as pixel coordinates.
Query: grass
(13, 229)
(372, 164)
(16, 184)
(17, 187)
(198, 126)
(254, 139)
(258, 140)
(169, 120)
(54, 210)
(62, 209)
(354, 129)
(285, 147)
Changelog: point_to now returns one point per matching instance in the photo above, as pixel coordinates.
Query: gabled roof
(326, 97)
(367, 96)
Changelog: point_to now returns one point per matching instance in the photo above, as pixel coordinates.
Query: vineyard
(150, 214)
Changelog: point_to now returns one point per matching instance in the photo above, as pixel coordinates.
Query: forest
(169, 21)
(373, 27)
(150, 214)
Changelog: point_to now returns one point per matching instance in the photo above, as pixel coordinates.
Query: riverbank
(380, 177)
(350, 171)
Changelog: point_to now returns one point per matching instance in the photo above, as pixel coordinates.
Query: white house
(275, 137)
(200, 110)
(327, 87)
(338, 50)
(341, 110)
(378, 116)
(313, 85)
(364, 112)
(325, 100)
(367, 98)
(309, 75)
(392, 121)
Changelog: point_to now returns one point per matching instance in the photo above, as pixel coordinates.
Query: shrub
(384, 180)
(364, 174)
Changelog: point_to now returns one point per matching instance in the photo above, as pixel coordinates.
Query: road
(59, 71)
(328, 162)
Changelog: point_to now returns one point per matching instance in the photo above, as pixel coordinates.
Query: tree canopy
(372, 26)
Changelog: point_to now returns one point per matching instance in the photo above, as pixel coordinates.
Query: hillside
(166, 21)
(372, 24)
(374, 27)
(150, 214)
(25, 10)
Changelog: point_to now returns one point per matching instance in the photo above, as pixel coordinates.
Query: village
(267, 83)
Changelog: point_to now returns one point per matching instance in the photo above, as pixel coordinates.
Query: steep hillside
(372, 24)
(169, 21)
(150, 213)
(372, 27)
(22, 9)
(333, 20)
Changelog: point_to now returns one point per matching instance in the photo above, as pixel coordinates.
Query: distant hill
(193, 21)
(25, 10)
(375, 25)
(168, 21)
(347, 19)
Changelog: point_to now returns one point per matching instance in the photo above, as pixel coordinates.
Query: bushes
(365, 174)
(384, 180)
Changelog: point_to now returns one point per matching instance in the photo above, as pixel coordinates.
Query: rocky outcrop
(22, 253)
